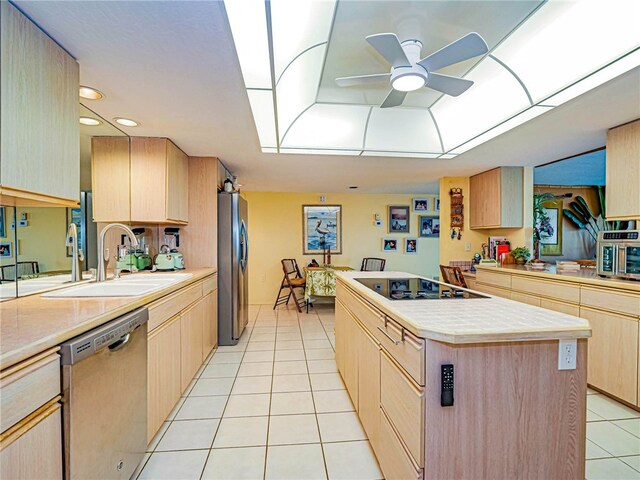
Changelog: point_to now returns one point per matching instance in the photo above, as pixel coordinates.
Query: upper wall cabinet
(496, 198)
(623, 171)
(40, 150)
(141, 179)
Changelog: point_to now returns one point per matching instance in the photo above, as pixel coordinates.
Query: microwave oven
(619, 254)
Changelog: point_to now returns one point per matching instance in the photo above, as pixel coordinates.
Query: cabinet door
(191, 330)
(36, 453)
(484, 201)
(40, 151)
(352, 332)
(177, 184)
(163, 384)
(341, 318)
(613, 353)
(148, 179)
(623, 171)
(209, 323)
(369, 385)
(110, 179)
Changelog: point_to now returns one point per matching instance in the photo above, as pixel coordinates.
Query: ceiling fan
(409, 73)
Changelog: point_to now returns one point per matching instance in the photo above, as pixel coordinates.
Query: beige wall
(472, 240)
(275, 232)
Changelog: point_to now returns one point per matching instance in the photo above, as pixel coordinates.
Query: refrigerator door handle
(244, 246)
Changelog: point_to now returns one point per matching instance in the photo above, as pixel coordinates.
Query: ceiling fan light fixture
(408, 82)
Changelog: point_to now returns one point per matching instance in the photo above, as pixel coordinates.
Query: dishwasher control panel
(89, 343)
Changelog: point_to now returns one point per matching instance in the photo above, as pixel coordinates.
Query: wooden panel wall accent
(515, 414)
(39, 144)
(623, 171)
(199, 239)
(110, 179)
(148, 179)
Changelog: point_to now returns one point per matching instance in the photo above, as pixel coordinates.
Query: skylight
(548, 55)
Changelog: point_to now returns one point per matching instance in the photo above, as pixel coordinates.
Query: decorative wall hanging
(398, 219)
(321, 229)
(457, 212)
(550, 227)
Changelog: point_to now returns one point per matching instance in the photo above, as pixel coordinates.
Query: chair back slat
(372, 264)
(453, 276)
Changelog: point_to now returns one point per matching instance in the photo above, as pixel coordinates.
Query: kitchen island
(514, 413)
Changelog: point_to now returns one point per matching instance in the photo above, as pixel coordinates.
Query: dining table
(321, 281)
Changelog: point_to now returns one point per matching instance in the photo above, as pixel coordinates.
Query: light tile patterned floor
(271, 407)
(274, 407)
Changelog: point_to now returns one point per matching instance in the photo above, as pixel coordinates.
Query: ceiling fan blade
(363, 79)
(469, 46)
(394, 99)
(453, 86)
(388, 45)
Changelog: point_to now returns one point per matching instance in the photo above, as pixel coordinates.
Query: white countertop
(475, 320)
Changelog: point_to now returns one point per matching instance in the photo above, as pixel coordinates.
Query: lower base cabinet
(164, 380)
(210, 324)
(191, 325)
(394, 460)
(369, 385)
(34, 451)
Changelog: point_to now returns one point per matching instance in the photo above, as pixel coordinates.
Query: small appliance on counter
(164, 260)
(133, 259)
(169, 257)
(618, 253)
(141, 254)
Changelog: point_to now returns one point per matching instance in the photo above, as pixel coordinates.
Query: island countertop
(30, 325)
(475, 320)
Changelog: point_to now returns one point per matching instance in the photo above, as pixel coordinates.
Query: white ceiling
(173, 67)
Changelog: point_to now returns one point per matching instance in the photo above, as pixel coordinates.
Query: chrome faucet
(103, 254)
(76, 253)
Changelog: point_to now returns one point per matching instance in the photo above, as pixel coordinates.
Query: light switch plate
(567, 352)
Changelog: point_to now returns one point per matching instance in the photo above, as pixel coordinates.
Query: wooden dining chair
(371, 264)
(292, 279)
(453, 276)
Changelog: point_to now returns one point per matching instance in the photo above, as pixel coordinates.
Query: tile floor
(274, 407)
(271, 407)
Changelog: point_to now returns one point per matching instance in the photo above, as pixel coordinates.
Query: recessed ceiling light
(90, 93)
(127, 122)
(89, 121)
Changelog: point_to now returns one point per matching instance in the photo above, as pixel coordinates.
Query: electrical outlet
(567, 351)
(467, 247)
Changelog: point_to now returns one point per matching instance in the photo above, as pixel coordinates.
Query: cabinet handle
(395, 342)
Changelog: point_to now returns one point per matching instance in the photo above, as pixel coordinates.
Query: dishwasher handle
(114, 336)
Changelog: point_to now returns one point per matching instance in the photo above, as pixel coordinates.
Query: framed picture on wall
(411, 246)
(550, 228)
(429, 226)
(5, 249)
(2, 223)
(389, 244)
(398, 219)
(321, 229)
(437, 204)
(420, 204)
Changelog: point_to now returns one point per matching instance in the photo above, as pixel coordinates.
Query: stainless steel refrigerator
(233, 255)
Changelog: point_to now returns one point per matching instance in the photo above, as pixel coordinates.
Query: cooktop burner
(415, 289)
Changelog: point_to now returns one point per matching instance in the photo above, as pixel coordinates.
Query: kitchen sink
(128, 286)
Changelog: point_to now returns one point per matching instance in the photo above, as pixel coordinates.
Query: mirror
(34, 238)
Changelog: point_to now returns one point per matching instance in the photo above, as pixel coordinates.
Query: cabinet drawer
(557, 290)
(560, 307)
(395, 462)
(604, 299)
(368, 315)
(495, 291)
(404, 347)
(34, 449)
(502, 280)
(403, 401)
(27, 386)
(524, 298)
(162, 310)
(209, 284)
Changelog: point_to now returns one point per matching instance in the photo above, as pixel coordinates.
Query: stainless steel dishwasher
(104, 384)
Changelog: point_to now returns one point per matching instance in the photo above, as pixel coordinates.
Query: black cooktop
(415, 289)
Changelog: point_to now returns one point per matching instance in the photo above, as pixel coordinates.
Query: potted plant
(521, 254)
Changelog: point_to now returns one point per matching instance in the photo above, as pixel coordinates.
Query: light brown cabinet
(39, 147)
(209, 323)
(141, 179)
(613, 353)
(623, 171)
(191, 328)
(369, 385)
(496, 198)
(352, 332)
(164, 376)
